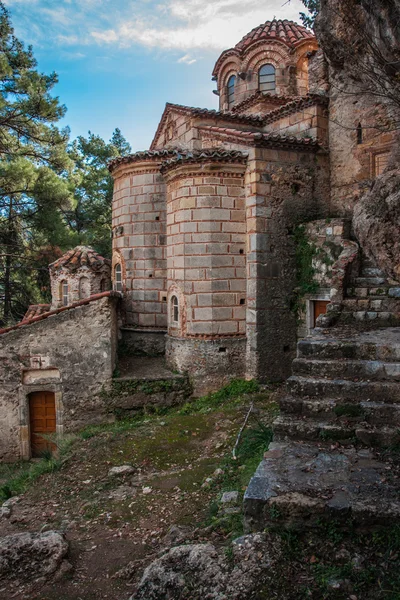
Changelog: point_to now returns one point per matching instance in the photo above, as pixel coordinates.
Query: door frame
(322, 295)
(24, 415)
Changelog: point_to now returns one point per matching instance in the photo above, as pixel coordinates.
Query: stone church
(204, 261)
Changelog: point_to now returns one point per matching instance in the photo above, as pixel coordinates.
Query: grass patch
(26, 474)
(231, 392)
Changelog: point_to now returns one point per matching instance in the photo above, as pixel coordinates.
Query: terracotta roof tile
(214, 154)
(276, 140)
(35, 310)
(288, 32)
(81, 256)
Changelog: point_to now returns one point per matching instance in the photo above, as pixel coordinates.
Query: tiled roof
(78, 257)
(214, 154)
(288, 32)
(141, 155)
(294, 106)
(30, 321)
(250, 138)
(204, 113)
(35, 310)
(260, 96)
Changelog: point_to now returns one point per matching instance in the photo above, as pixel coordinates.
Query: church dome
(81, 256)
(288, 32)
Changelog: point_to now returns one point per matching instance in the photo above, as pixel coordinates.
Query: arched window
(266, 79)
(174, 309)
(64, 292)
(359, 134)
(84, 288)
(230, 90)
(103, 285)
(118, 278)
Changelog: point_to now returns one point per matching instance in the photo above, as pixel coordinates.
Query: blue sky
(120, 61)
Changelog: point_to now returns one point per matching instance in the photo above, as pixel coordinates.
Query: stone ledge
(298, 485)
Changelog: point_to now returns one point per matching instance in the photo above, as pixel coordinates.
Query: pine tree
(33, 164)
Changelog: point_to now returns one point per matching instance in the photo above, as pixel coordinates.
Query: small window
(84, 288)
(359, 134)
(266, 79)
(174, 309)
(118, 278)
(381, 162)
(64, 292)
(103, 285)
(230, 90)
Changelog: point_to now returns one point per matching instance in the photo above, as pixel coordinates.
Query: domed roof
(288, 32)
(81, 256)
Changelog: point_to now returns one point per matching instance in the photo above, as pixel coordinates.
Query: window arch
(84, 288)
(103, 285)
(230, 90)
(267, 78)
(174, 309)
(64, 292)
(118, 278)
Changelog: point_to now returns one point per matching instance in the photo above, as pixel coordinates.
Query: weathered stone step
(369, 281)
(347, 369)
(376, 391)
(370, 271)
(285, 427)
(336, 410)
(282, 491)
(374, 345)
(384, 318)
(376, 293)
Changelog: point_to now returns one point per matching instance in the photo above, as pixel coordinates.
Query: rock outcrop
(376, 223)
(29, 556)
(201, 571)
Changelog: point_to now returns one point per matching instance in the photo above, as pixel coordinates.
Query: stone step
(372, 293)
(381, 319)
(376, 391)
(370, 271)
(373, 345)
(372, 303)
(370, 281)
(335, 410)
(347, 369)
(285, 427)
(282, 492)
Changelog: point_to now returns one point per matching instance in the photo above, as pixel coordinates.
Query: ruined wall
(359, 38)
(139, 241)
(72, 354)
(283, 189)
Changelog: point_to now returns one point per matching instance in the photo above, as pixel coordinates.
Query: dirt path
(115, 525)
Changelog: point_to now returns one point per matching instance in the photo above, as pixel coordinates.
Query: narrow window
(266, 79)
(230, 90)
(174, 309)
(84, 288)
(103, 285)
(118, 278)
(64, 292)
(359, 134)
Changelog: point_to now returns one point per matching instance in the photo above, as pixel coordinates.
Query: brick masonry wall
(50, 356)
(206, 249)
(311, 121)
(139, 242)
(283, 189)
(82, 283)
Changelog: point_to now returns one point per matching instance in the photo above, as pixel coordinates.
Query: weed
(231, 392)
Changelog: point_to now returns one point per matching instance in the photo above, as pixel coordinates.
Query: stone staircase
(344, 390)
(333, 451)
(372, 297)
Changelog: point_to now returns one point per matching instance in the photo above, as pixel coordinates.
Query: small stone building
(204, 230)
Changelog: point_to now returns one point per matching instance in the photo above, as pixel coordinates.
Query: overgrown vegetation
(232, 392)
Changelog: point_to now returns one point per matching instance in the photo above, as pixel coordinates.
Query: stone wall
(82, 283)
(283, 188)
(139, 241)
(71, 353)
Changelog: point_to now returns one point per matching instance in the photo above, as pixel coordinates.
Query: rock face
(28, 556)
(376, 223)
(200, 571)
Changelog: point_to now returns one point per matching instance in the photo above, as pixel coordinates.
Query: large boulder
(376, 223)
(29, 556)
(201, 571)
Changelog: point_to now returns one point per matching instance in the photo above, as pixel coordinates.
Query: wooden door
(42, 411)
(319, 309)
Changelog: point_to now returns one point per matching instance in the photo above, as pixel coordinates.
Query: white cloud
(184, 25)
(187, 59)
